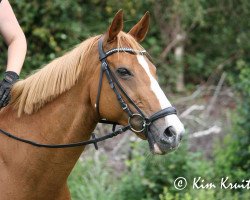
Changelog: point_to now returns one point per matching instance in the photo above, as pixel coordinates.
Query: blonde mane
(57, 77)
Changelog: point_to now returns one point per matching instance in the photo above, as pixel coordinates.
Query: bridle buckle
(125, 107)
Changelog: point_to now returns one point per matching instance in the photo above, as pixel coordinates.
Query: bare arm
(13, 36)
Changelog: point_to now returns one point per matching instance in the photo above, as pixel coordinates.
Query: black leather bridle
(114, 84)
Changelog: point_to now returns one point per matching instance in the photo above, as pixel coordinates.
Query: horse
(58, 104)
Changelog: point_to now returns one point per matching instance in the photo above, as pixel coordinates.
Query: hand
(5, 87)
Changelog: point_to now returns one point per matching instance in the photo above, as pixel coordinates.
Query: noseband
(117, 88)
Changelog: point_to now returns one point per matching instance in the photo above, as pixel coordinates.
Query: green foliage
(215, 31)
(220, 41)
(150, 174)
(203, 195)
(199, 195)
(149, 177)
(233, 158)
(91, 180)
(51, 27)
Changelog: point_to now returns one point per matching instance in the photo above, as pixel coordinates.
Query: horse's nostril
(169, 132)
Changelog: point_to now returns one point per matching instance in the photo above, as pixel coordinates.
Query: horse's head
(137, 76)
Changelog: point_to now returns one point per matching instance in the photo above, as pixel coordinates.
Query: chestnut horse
(57, 105)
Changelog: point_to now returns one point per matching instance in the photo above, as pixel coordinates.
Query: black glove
(5, 87)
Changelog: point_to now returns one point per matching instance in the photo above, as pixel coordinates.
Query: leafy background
(213, 38)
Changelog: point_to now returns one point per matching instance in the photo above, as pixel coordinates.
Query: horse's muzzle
(163, 141)
(164, 138)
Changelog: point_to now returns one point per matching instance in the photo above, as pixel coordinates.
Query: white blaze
(171, 120)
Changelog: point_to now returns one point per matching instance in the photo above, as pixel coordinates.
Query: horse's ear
(115, 27)
(139, 31)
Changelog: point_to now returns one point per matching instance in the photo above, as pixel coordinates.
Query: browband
(103, 54)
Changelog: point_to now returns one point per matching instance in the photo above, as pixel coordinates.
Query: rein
(114, 84)
(94, 140)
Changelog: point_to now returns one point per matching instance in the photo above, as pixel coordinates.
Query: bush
(91, 179)
(232, 157)
(149, 175)
(204, 195)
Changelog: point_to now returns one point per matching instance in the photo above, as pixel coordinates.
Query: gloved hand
(5, 87)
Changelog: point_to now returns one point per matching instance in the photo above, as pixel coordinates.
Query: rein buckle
(143, 123)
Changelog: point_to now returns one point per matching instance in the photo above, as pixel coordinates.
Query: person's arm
(13, 36)
(17, 47)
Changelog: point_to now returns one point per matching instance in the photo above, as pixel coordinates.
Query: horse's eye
(123, 72)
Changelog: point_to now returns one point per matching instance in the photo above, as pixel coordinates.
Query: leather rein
(114, 85)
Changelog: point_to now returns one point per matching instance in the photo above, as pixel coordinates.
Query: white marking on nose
(157, 149)
(170, 120)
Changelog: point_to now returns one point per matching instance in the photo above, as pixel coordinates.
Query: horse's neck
(69, 118)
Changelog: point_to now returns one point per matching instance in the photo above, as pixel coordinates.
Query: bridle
(117, 88)
(114, 84)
